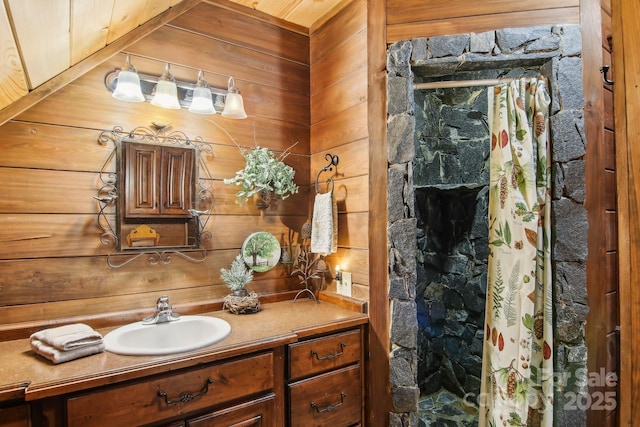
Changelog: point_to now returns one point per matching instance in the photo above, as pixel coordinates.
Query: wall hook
(333, 161)
(604, 70)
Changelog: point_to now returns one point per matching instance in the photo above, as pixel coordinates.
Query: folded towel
(59, 356)
(324, 227)
(68, 337)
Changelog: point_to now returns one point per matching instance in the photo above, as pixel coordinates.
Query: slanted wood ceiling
(39, 39)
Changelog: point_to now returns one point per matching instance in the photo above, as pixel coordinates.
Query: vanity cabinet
(235, 392)
(325, 380)
(258, 413)
(15, 416)
(158, 181)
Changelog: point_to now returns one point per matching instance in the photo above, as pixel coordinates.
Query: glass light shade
(234, 106)
(128, 87)
(166, 95)
(201, 100)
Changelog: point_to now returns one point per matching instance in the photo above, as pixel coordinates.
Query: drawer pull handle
(187, 397)
(329, 356)
(330, 408)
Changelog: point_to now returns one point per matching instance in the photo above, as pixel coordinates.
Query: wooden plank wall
(625, 20)
(339, 126)
(407, 19)
(601, 169)
(602, 274)
(52, 265)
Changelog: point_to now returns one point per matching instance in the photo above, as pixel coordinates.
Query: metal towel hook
(333, 161)
(604, 70)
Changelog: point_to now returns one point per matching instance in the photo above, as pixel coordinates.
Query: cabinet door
(142, 176)
(15, 416)
(177, 181)
(257, 413)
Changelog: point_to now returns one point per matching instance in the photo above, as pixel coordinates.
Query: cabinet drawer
(322, 354)
(331, 399)
(257, 413)
(172, 395)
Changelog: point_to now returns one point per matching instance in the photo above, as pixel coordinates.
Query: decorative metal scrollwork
(109, 191)
(186, 397)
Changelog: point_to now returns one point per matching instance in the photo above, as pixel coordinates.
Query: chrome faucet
(163, 314)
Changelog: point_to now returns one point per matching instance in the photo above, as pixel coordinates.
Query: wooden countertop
(24, 374)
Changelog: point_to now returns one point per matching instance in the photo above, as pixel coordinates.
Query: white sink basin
(185, 334)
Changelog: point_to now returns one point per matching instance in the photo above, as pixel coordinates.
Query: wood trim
(403, 11)
(628, 282)
(595, 332)
(67, 76)
(379, 394)
(478, 24)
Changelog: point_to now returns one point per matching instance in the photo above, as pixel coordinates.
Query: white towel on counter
(68, 342)
(68, 337)
(324, 225)
(59, 356)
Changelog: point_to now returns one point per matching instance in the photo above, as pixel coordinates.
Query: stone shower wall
(556, 51)
(451, 178)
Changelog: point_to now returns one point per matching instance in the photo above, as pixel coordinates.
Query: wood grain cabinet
(238, 392)
(158, 180)
(325, 380)
(15, 416)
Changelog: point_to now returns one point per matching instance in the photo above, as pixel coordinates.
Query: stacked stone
(556, 52)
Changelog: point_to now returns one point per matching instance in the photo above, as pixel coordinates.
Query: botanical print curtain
(517, 367)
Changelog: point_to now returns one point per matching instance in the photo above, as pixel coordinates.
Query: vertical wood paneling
(124, 17)
(89, 25)
(602, 321)
(379, 403)
(46, 52)
(13, 83)
(625, 16)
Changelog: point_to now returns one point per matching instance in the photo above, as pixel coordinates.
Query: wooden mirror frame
(147, 202)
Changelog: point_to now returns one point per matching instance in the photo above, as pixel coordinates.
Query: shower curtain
(517, 364)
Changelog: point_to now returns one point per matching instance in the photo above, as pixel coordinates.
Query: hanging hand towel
(68, 337)
(324, 227)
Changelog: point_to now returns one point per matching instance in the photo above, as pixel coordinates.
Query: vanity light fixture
(166, 95)
(128, 84)
(234, 106)
(201, 101)
(167, 92)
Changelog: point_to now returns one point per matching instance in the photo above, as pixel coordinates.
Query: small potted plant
(264, 175)
(236, 278)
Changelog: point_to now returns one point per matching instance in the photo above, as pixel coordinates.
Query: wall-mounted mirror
(160, 187)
